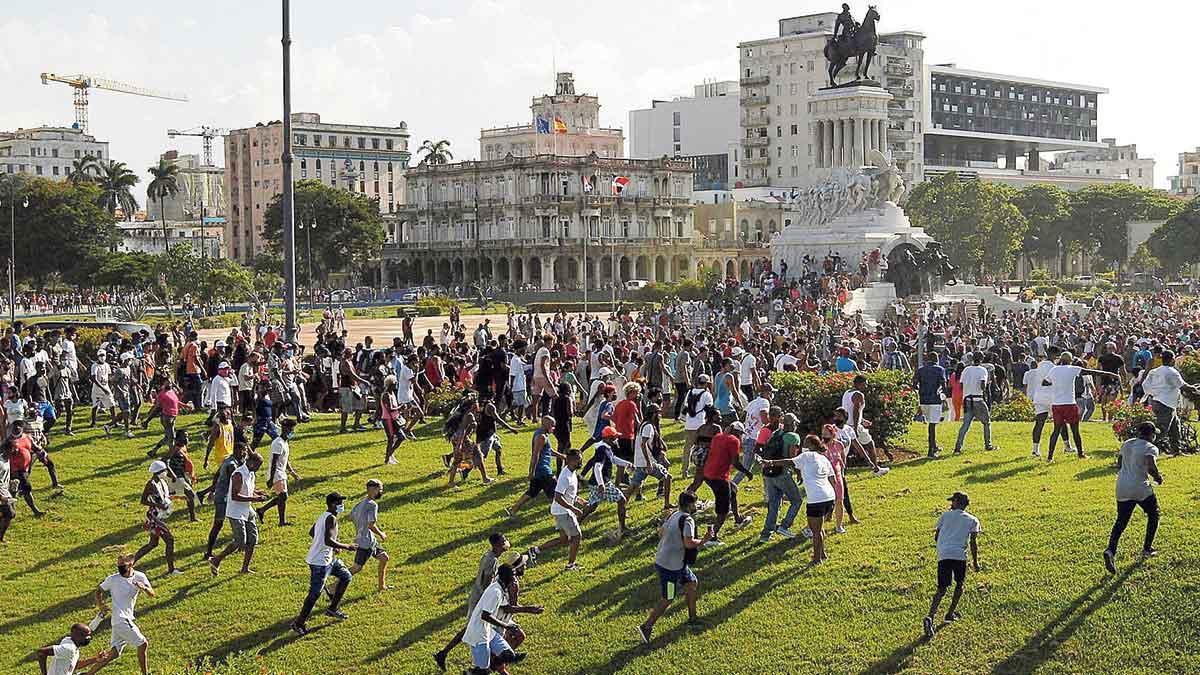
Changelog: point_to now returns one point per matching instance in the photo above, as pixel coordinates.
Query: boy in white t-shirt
(62, 658)
(123, 587)
(956, 530)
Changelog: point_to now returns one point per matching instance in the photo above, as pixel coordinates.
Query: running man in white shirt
(123, 587)
(566, 512)
(1061, 380)
(62, 658)
(281, 468)
(322, 562)
(1041, 396)
(488, 645)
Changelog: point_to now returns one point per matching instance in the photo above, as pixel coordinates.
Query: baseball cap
(334, 498)
(737, 428)
(702, 379)
(157, 466)
(224, 365)
(960, 496)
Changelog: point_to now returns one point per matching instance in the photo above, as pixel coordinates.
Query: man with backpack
(683, 374)
(779, 440)
(677, 549)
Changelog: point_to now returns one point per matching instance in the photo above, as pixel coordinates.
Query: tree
(165, 184)
(1047, 209)
(980, 227)
(349, 230)
(83, 170)
(1143, 260)
(1175, 243)
(131, 270)
(435, 152)
(1100, 217)
(63, 231)
(116, 182)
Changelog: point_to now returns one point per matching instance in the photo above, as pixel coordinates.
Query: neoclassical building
(543, 220)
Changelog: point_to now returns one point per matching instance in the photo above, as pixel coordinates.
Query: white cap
(126, 356)
(224, 365)
(219, 343)
(157, 466)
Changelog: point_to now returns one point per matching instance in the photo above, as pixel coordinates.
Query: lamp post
(289, 191)
(12, 250)
(308, 228)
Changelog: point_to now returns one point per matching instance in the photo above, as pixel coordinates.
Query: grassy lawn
(1042, 603)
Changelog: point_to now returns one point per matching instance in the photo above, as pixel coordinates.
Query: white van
(636, 284)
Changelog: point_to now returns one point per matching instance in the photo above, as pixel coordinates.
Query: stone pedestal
(849, 122)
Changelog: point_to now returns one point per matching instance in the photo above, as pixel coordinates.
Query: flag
(619, 183)
(560, 127)
(543, 125)
(589, 184)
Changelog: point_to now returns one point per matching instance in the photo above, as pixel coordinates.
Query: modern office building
(48, 152)
(702, 128)
(563, 123)
(200, 187)
(1186, 183)
(779, 77)
(368, 160)
(1115, 161)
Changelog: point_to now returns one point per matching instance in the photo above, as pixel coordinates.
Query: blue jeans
(1087, 408)
(316, 581)
(775, 489)
(975, 408)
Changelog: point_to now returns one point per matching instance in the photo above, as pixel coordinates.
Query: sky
(451, 67)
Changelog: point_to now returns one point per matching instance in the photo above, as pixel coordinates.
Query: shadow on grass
(1100, 471)
(445, 622)
(106, 471)
(118, 537)
(1041, 646)
(897, 661)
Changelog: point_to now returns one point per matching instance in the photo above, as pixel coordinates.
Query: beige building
(48, 152)
(1114, 161)
(198, 185)
(781, 76)
(578, 113)
(369, 160)
(1187, 182)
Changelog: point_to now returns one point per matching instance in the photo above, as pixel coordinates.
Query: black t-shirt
(1111, 363)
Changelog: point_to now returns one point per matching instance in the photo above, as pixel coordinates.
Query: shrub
(891, 402)
(1126, 417)
(1189, 367)
(1046, 290)
(1017, 409)
(441, 401)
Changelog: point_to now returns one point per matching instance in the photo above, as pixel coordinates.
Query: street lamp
(312, 225)
(12, 250)
(288, 201)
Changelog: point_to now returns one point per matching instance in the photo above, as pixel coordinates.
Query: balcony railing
(754, 80)
(900, 70)
(756, 161)
(756, 119)
(756, 182)
(756, 100)
(756, 141)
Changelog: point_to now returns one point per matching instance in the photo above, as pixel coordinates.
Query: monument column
(828, 132)
(819, 136)
(860, 142)
(837, 143)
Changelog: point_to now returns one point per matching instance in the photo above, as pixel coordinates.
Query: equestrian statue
(852, 39)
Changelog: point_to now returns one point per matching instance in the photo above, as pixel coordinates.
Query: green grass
(1042, 603)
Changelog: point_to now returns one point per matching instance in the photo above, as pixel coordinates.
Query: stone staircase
(873, 300)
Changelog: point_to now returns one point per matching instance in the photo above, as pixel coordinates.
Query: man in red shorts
(1064, 411)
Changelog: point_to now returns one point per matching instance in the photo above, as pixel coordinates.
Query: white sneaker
(839, 530)
(881, 472)
(712, 543)
(1036, 453)
(785, 533)
(807, 533)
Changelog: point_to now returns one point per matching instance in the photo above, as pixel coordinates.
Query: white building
(198, 185)
(147, 237)
(1115, 161)
(565, 123)
(702, 128)
(779, 77)
(1186, 183)
(47, 151)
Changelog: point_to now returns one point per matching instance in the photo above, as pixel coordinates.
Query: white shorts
(932, 413)
(102, 400)
(125, 633)
(180, 487)
(864, 436)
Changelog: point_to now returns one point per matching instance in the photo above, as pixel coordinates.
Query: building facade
(147, 237)
(369, 160)
(539, 222)
(1117, 161)
(47, 152)
(564, 123)
(1187, 182)
(702, 128)
(779, 78)
(199, 187)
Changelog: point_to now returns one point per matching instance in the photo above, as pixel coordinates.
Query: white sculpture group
(848, 191)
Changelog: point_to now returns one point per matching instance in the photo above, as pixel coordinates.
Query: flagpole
(613, 244)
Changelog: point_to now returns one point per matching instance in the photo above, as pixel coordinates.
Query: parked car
(1085, 280)
(341, 295)
(636, 284)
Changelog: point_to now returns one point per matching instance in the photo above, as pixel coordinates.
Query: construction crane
(82, 83)
(206, 133)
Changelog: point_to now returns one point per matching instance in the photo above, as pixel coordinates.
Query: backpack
(689, 554)
(693, 400)
(774, 450)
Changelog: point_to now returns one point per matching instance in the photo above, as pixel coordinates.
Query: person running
(649, 457)
(393, 420)
(817, 473)
(368, 537)
(541, 466)
(975, 380)
(703, 443)
(627, 418)
(21, 452)
(757, 416)
(487, 440)
(62, 658)
(181, 474)
(930, 382)
(1061, 380)
(956, 530)
(281, 468)
(156, 497)
(1163, 386)
(724, 453)
(782, 443)
(242, 494)
(1137, 461)
(855, 402)
(676, 553)
(602, 488)
(488, 646)
(220, 493)
(694, 402)
(169, 406)
(323, 562)
(123, 588)
(566, 512)
(489, 564)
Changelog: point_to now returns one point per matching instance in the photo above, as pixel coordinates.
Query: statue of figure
(851, 39)
(888, 184)
(938, 263)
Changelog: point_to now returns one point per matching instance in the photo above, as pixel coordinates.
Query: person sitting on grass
(956, 529)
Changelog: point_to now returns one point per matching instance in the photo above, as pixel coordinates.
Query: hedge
(890, 399)
(1017, 409)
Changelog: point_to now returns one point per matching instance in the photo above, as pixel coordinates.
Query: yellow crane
(206, 134)
(82, 83)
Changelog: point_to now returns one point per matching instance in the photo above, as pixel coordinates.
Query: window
(389, 167)
(55, 170)
(76, 154)
(779, 132)
(300, 139)
(388, 144)
(54, 152)
(317, 140)
(676, 118)
(374, 143)
(795, 129)
(675, 134)
(810, 66)
(332, 141)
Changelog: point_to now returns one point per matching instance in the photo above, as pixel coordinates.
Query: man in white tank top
(854, 402)
(322, 562)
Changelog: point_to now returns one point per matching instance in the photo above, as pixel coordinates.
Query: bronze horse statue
(862, 43)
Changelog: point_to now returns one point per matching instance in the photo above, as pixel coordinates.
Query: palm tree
(165, 184)
(83, 170)
(435, 153)
(116, 181)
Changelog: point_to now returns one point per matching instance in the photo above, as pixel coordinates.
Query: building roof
(983, 75)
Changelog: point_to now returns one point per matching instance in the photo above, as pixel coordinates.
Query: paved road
(383, 330)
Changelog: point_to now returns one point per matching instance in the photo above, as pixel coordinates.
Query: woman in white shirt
(817, 472)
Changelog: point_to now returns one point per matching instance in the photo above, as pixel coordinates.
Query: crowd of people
(616, 379)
